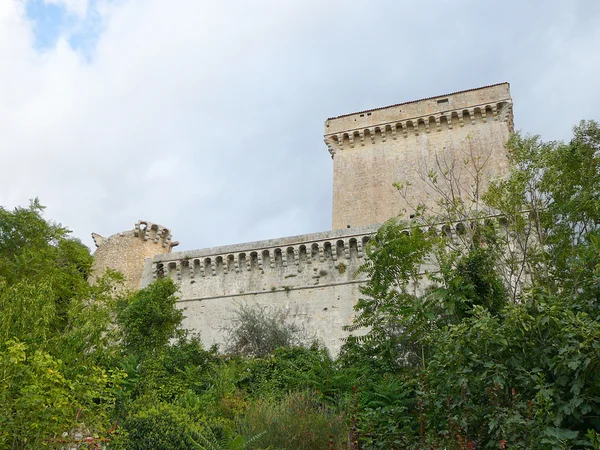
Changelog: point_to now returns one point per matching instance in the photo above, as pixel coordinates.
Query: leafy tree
(42, 272)
(504, 343)
(559, 186)
(391, 308)
(528, 377)
(54, 334)
(471, 280)
(149, 318)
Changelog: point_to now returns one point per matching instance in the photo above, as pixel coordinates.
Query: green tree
(504, 342)
(42, 271)
(149, 318)
(54, 334)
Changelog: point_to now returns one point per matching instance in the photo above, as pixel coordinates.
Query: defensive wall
(314, 277)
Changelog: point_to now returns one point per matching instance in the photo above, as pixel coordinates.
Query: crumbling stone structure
(126, 251)
(314, 276)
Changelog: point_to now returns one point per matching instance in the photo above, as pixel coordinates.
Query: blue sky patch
(52, 21)
(49, 20)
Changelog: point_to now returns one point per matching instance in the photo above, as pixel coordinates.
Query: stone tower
(126, 251)
(373, 149)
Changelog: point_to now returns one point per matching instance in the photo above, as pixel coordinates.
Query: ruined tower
(374, 149)
(126, 251)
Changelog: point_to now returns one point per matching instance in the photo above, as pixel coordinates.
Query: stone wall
(373, 149)
(313, 277)
(126, 251)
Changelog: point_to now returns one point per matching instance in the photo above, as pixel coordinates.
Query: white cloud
(207, 116)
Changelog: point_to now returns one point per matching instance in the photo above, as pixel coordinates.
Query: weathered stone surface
(313, 277)
(127, 251)
(371, 150)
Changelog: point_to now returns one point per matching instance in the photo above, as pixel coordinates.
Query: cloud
(208, 116)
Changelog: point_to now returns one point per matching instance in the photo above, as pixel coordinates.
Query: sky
(207, 116)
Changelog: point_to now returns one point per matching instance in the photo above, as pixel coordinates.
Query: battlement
(291, 254)
(155, 233)
(127, 250)
(443, 112)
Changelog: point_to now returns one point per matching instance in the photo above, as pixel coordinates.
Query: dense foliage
(498, 348)
(502, 349)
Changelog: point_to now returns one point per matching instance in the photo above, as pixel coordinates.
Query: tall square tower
(374, 149)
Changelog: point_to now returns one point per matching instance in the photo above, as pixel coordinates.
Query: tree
(504, 339)
(257, 331)
(39, 260)
(390, 309)
(149, 317)
(54, 334)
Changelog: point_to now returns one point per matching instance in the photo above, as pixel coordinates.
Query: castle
(314, 276)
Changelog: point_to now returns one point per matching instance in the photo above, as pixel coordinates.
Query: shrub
(298, 421)
(286, 369)
(158, 427)
(258, 330)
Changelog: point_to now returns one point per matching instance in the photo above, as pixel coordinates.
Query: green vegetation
(257, 331)
(501, 350)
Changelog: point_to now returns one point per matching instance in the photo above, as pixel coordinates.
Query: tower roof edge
(419, 100)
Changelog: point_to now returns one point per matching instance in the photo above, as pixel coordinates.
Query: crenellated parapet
(155, 233)
(268, 265)
(277, 264)
(126, 251)
(350, 132)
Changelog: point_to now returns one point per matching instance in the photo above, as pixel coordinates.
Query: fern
(229, 441)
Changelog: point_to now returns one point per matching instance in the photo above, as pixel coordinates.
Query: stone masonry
(314, 277)
(374, 149)
(127, 251)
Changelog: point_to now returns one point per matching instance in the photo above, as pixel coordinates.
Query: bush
(179, 367)
(285, 370)
(158, 427)
(258, 330)
(298, 421)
